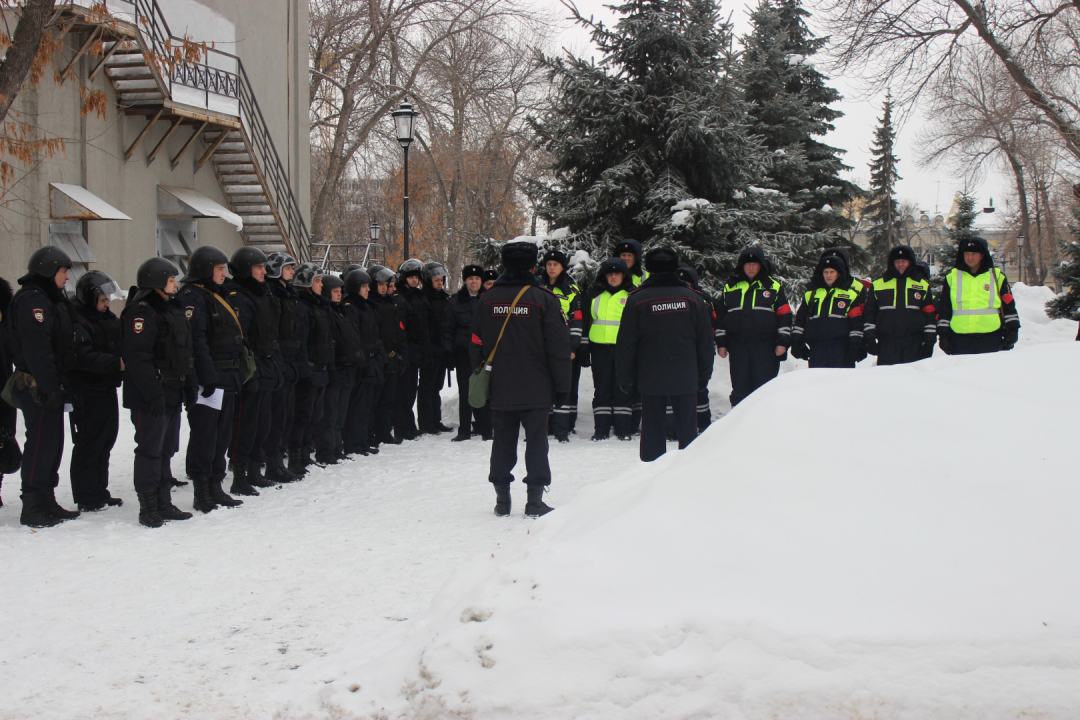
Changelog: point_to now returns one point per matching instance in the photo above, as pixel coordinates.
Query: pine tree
(882, 210)
(944, 253)
(1067, 304)
(789, 106)
(653, 143)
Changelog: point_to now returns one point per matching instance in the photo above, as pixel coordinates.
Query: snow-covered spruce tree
(1067, 304)
(660, 122)
(882, 211)
(789, 108)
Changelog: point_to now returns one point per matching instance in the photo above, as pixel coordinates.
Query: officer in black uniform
(280, 269)
(411, 292)
(530, 372)
(361, 311)
(489, 277)
(217, 342)
(348, 357)
(316, 327)
(457, 339)
(43, 351)
(391, 317)
(159, 376)
(95, 417)
(260, 320)
(664, 350)
(433, 369)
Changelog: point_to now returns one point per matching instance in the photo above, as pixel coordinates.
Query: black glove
(561, 398)
(449, 361)
(208, 391)
(303, 384)
(945, 341)
(157, 406)
(800, 350)
(53, 400)
(856, 352)
(191, 393)
(583, 358)
(871, 346)
(1009, 341)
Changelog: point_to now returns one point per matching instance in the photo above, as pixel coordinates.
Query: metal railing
(201, 75)
(373, 253)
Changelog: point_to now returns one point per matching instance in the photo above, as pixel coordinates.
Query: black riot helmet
(329, 282)
(243, 260)
(93, 285)
(155, 273)
(354, 266)
(277, 260)
(202, 262)
(355, 279)
(47, 260)
(410, 267)
(381, 275)
(433, 270)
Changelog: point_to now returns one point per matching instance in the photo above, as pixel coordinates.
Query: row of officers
(281, 356)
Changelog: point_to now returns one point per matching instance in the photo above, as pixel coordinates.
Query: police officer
(753, 324)
(665, 349)
(602, 310)
(704, 414)
(348, 356)
(900, 315)
(95, 416)
(977, 310)
(316, 326)
(629, 251)
(555, 278)
(411, 292)
(43, 352)
(433, 369)
(391, 315)
(280, 269)
(529, 370)
(489, 277)
(369, 375)
(217, 341)
(159, 376)
(260, 321)
(457, 339)
(829, 325)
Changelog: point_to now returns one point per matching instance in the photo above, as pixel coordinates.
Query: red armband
(401, 324)
(1007, 297)
(577, 315)
(476, 340)
(929, 309)
(784, 309)
(856, 311)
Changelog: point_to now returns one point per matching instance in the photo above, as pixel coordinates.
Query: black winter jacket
(533, 359)
(260, 319)
(293, 355)
(216, 335)
(665, 344)
(97, 347)
(752, 309)
(457, 333)
(905, 312)
(416, 323)
(41, 333)
(317, 330)
(391, 314)
(438, 316)
(157, 352)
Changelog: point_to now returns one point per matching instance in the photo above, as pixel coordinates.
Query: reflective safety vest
(638, 279)
(763, 294)
(565, 300)
(606, 313)
(834, 302)
(915, 293)
(976, 301)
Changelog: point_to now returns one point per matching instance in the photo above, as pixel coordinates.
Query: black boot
(117, 502)
(165, 507)
(53, 508)
(203, 502)
(148, 510)
(439, 427)
(276, 470)
(92, 506)
(502, 500)
(460, 437)
(33, 514)
(296, 463)
(255, 476)
(535, 506)
(305, 457)
(221, 497)
(240, 484)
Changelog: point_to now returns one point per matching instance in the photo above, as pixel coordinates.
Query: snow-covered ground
(884, 543)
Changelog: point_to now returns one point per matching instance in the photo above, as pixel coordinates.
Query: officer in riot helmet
(391, 316)
(280, 269)
(217, 344)
(348, 354)
(411, 292)
(43, 352)
(159, 377)
(433, 368)
(316, 330)
(361, 310)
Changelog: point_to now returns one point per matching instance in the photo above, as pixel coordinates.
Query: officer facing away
(530, 370)
(665, 350)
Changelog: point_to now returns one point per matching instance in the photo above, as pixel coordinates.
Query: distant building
(213, 152)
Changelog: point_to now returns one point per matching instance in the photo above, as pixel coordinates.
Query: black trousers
(752, 363)
(564, 417)
(428, 399)
(335, 409)
(976, 343)
(309, 410)
(900, 349)
(357, 432)
(95, 422)
(407, 385)
(466, 412)
(653, 413)
(43, 446)
(282, 410)
(209, 438)
(155, 441)
(611, 406)
(505, 425)
(386, 402)
(704, 412)
(830, 354)
(253, 417)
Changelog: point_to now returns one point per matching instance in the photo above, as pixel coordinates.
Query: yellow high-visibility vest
(606, 313)
(976, 301)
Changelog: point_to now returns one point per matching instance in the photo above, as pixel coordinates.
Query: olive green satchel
(480, 380)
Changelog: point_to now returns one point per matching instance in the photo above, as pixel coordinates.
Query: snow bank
(1035, 325)
(895, 542)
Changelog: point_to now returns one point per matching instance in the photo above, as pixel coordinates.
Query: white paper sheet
(215, 399)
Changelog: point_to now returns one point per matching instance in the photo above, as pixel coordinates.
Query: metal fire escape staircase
(202, 92)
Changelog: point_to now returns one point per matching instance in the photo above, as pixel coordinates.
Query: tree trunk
(36, 15)
(1025, 218)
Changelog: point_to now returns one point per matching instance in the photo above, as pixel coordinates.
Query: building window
(71, 238)
(176, 241)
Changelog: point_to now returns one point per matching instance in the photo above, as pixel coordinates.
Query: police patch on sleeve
(138, 325)
(189, 311)
(39, 315)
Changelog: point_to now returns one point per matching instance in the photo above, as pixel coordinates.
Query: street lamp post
(404, 122)
(374, 230)
(1020, 254)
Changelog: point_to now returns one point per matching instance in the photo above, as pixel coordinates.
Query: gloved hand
(449, 361)
(871, 345)
(303, 384)
(1009, 341)
(800, 350)
(53, 400)
(856, 352)
(191, 393)
(561, 398)
(208, 391)
(583, 357)
(945, 342)
(157, 406)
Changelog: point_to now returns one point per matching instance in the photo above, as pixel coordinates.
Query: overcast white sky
(926, 187)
